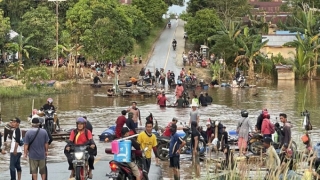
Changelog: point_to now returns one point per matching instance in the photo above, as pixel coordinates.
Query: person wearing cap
(15, 150)
(36, 147)
(194, 114)
(272, 160)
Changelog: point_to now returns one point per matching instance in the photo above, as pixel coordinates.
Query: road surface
(164, 56)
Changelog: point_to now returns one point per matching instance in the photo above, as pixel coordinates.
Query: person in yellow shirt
(134, 82)
(149, 140)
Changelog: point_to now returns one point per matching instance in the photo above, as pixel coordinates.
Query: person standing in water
(136, 114)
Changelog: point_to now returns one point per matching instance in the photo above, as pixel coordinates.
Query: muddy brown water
(285, 96)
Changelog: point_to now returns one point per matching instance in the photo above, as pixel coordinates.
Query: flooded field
(102, 111)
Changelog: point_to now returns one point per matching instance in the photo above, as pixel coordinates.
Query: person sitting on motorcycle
(81, 136)
(49, 106)
(167, 132)
(135, 170)
(174, 42)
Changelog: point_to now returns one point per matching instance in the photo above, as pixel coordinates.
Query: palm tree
(250, 46)
(21, 46)
(306, 49)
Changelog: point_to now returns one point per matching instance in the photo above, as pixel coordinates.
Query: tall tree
(231, 9)
(4, 31)
(196, 5)
(152, 9)
(140, 24)
(203, 25)
(84, 18)
(39, 25)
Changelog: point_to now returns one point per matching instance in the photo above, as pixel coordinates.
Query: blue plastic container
(181, 134)
(232, 133)
(124, 152)
(205, 87)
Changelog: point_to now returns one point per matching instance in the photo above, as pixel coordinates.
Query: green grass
(19, 91)
(144, 48)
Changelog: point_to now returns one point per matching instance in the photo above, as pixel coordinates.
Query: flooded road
(102, 111)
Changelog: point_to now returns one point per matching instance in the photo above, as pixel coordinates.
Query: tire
(256, 147)
(78, 173)
(163, 154)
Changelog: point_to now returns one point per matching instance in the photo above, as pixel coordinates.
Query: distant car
(185, 35)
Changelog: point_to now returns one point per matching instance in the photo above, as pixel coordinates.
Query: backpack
(272, 127)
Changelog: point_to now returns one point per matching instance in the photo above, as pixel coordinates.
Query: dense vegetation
(105, 29)
(220, 26)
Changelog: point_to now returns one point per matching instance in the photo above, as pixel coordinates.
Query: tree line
(105, 29)
(220, 25)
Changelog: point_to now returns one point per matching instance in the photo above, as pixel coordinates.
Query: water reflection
(102, 111)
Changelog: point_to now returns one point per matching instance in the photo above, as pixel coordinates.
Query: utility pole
(57, 31)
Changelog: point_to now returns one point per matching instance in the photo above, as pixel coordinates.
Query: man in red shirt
(162, 101)
(167, 132)
(121, 120)
(81, 136)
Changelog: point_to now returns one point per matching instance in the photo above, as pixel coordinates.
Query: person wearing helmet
(81, 136)
(243, 130)
(49, 105)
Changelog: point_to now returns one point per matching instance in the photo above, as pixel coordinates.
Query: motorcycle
(256, 147)
(121, 170)
(49, 120)
(163, 148)
(174, 46)
(80, 161)
(171, 81)
(147, 79)
(169, 26)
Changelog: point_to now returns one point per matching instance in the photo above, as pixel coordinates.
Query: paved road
(164, 56)
(58, 171)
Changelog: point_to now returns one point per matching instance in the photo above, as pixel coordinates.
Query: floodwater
(284, 96)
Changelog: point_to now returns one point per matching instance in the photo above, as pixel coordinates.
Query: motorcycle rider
(81, 136)
(169, 24)
(49, 106)
(136, 146)
(174, 42)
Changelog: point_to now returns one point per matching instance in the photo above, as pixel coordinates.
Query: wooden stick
(126, 137)
(32, 106)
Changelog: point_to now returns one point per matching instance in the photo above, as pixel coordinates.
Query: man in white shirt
(15, 150)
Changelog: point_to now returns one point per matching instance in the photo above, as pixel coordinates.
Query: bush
(35, 77)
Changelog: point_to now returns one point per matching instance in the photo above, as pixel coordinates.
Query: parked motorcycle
(174, 46)
(163, 148)
(256, 147)
(148, 79)
(49, 120)
(80, 161)
(121, 170)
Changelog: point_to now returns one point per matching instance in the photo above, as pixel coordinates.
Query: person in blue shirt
(176, 143)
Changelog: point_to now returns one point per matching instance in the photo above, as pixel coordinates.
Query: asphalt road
(164, 56)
